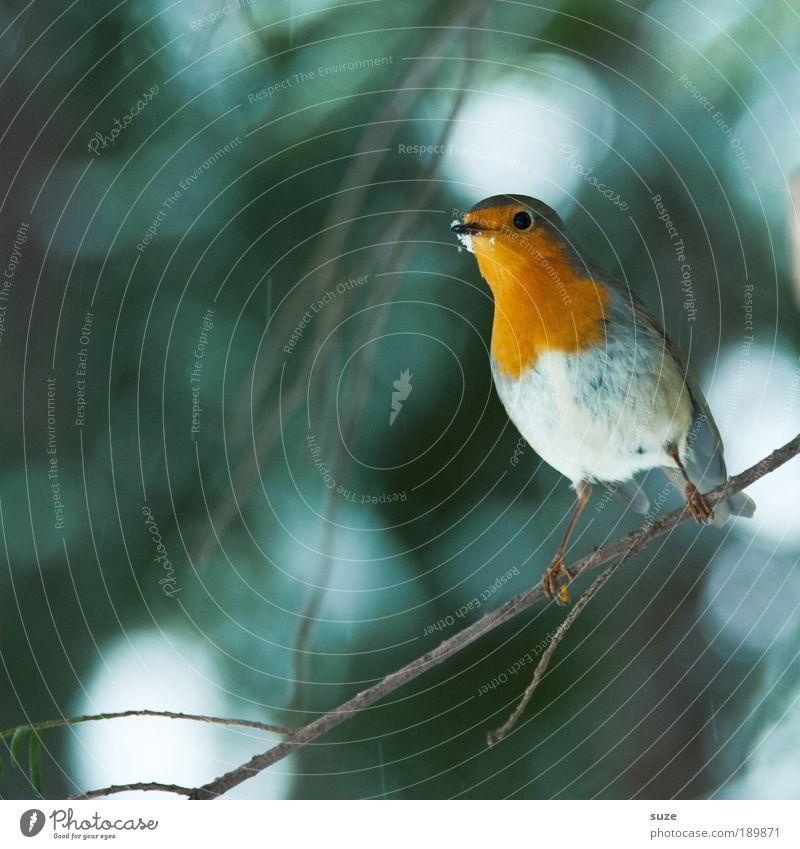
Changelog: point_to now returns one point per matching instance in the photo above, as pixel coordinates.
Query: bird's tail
(739, 504)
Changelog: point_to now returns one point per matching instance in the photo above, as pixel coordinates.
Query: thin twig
(137, 785)
(74, 720)
(497, 735)
(623, 547)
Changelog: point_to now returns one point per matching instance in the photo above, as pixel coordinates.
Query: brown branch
(138, 785)
(215, 720)
(624, 547)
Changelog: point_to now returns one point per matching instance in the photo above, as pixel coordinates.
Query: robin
(590, 379)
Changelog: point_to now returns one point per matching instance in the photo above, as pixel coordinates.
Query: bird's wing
(704, 458)
(705, 455)
(631, 494)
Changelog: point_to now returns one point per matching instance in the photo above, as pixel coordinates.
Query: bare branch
(215, 720)
(625, 547)
(138, 785)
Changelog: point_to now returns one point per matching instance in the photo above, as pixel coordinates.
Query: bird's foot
(698, 506)
(552, 584)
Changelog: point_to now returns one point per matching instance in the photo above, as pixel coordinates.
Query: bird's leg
(698, 506)
(551, 582)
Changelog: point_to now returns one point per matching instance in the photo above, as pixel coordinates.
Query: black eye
(522, 220)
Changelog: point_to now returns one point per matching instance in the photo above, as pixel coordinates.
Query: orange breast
(542, 301)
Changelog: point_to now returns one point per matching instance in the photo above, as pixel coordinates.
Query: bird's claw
(700, 509)
(552, 586)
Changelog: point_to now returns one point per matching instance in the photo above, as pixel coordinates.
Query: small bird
(590, 379)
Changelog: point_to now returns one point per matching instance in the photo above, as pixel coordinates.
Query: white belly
(588, 418)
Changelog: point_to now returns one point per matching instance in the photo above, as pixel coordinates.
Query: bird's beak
(464, 229)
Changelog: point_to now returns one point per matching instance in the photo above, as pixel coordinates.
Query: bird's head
(513, 231)
(543, 288)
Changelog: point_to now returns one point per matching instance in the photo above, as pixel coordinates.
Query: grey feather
(704, 456)
(632, 495)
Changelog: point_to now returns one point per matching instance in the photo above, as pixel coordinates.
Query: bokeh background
(225, 237)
